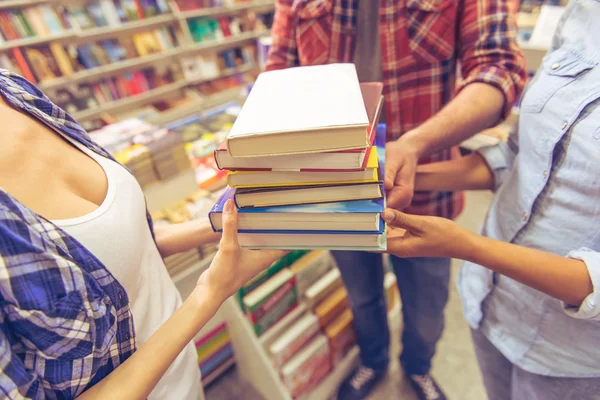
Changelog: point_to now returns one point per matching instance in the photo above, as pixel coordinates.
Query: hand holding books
(233, 266)
(423, 236)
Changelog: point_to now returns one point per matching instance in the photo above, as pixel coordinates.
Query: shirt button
(564, 125)
(555, 66)
(525, 215)
(126, 336)
(545, 174)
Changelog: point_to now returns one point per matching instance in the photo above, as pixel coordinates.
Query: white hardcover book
(110, 12)
(301, 110)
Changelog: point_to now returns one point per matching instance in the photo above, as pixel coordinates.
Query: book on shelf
(281, 326)
(220, 357)
(310, 268)
(331, 161)
(34, 21)
(390, 284)
(341, 336)
(293, 339)
(373, 173)
(331, 306)
(212, 346)
(362, 216)
(306, 369)
(322, 288)
(302, 110)
(271, 301)
(283, 262)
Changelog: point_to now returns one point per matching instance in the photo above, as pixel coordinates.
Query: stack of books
(215, 353)
(152, 154)
(306, 158)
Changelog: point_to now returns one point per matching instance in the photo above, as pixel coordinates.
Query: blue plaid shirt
(65, 321)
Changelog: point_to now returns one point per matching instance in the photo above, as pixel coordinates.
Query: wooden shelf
(110, 69)
(34, 41)
(128, 103)
(141, 62)
(128, 27)
(196, 107)
(20, 3)
(217, 45)
(258, 6)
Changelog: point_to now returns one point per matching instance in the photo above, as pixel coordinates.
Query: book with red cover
(347, 160)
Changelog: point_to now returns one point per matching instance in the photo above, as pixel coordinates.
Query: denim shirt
(548, 198)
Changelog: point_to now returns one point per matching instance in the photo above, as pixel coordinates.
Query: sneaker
(426, 387)
(358, 385)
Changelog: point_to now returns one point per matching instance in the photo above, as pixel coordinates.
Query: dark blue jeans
(423, 285)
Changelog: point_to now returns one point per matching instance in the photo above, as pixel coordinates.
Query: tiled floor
(454, 365)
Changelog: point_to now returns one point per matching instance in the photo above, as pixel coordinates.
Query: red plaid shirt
(422, 44)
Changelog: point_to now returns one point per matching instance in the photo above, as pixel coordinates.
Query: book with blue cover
(346, 216)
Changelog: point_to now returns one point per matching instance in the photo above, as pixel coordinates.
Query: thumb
(399, 219)
(230, 224)
(391, 169)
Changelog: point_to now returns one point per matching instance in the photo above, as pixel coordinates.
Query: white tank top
(117, 233)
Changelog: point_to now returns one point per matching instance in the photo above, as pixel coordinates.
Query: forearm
(560, 277)
(178, 238)
(137, 376)
(466, 173)
(475, 108)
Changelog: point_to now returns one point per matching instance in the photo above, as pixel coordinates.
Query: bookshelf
(110, 69)
(5, 4)
(128, 103)
(255, 365)
(108, 73)
(223, 44)
(263, 6)
(36, 41)
(128, 28)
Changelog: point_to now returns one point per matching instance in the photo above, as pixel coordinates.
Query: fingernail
(388, 215)
(228, 206)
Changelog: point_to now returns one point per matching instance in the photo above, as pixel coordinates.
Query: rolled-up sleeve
(501, 157)
(489, 52)
(590, 307)
(283, 52)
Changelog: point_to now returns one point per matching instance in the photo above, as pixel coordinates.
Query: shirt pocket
(431, 26)
(558, 69)
(313, 30)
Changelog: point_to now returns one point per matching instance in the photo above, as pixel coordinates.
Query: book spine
(210, 334)
(62, 59)
(287, 304)
(309, 373)
(212, 363)
(286, 354)
(258, 311)
(213, 346)
(341, 343)
(22, 63)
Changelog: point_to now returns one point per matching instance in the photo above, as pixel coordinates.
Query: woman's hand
(233, 266)
(418, 236)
